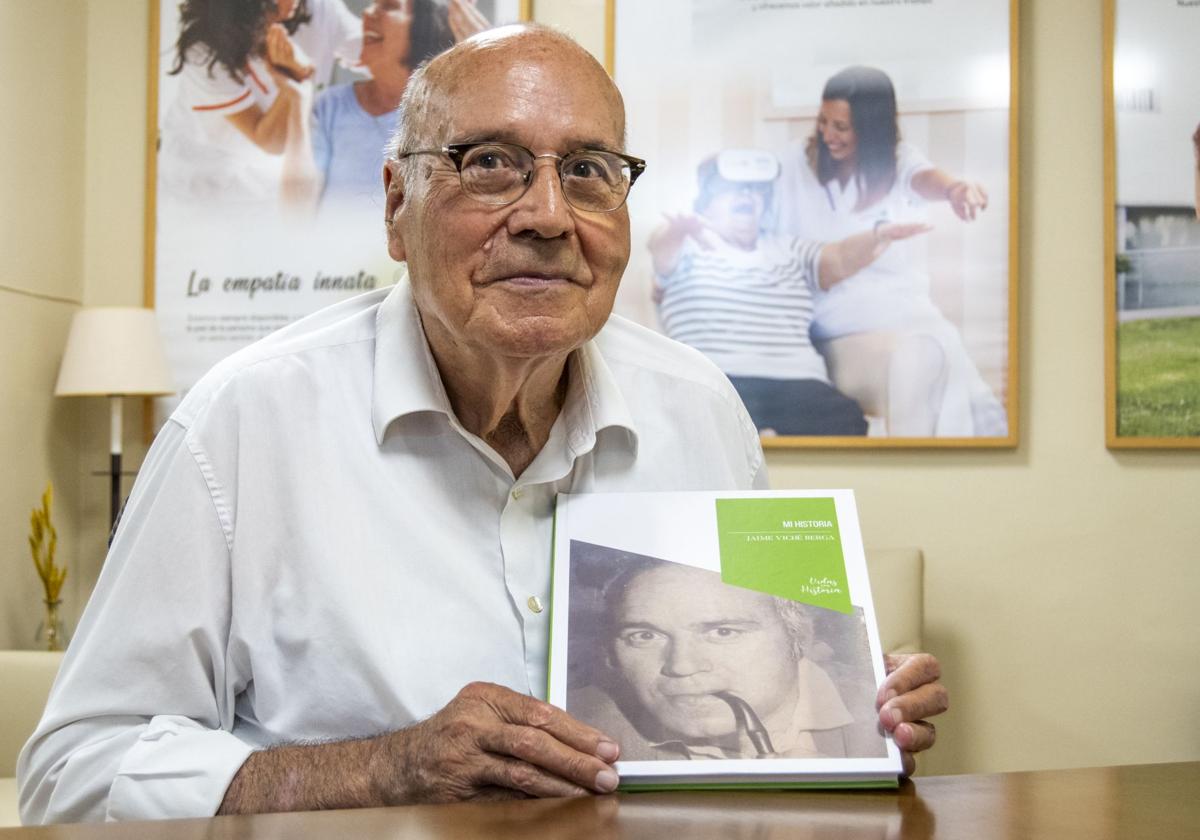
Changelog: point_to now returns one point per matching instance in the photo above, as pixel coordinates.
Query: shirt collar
(594, 401)
(406, 379)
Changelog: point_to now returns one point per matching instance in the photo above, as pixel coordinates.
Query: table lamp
(114, 352)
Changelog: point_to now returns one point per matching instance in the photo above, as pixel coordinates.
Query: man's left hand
(910, 694)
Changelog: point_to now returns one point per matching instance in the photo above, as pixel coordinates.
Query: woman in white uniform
(888, 345)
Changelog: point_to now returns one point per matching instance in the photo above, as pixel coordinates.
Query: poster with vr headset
(827, 212)
(271, 119)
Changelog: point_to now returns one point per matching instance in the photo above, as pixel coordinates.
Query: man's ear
(393, 186)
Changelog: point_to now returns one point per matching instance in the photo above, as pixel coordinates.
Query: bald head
(527, 55)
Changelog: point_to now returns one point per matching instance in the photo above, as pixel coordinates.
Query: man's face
(535, 278)
(736, 210)
(682, 635)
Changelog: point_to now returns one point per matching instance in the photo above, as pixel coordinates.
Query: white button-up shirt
(317, 549)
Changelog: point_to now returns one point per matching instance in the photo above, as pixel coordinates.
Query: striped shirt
(748, 311)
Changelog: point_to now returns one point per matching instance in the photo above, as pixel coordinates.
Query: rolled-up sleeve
(139, 722)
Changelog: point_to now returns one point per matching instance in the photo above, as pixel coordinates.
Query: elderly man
(329, 589)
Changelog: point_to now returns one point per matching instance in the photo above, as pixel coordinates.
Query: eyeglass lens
(591, 180)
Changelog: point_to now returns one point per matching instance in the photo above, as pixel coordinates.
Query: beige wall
(42, 207)
(70, 234)
(1062, 578)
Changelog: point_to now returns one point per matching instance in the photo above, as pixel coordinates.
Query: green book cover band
(789, 548)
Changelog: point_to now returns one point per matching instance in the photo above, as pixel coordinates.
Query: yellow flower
(43, 542)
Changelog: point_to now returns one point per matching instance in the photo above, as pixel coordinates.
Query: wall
(113, 238)
(70, 234)
(42, 207)
(1061, 578)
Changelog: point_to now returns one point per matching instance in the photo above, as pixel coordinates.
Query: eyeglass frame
(456, 152)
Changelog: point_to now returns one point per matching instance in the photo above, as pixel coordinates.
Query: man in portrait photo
(676, 664)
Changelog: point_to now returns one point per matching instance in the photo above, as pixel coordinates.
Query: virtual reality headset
(742, 166)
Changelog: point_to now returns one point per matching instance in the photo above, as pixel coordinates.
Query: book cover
(720, 638)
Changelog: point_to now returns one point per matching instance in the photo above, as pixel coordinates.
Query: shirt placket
(525, 544)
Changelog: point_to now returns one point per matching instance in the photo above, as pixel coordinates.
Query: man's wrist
(384, 766)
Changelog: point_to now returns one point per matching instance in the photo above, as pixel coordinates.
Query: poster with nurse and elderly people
(1153, 259)
(272, 116)
(827, 210)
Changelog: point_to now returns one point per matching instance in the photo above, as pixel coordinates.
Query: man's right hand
(490, 742)
(666, 241)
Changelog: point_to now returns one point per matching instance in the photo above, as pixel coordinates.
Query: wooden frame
(1008, 378)
(1112, 294)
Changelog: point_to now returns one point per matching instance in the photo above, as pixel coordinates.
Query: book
(723, 639)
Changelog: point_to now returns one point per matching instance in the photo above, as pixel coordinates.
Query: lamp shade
(114, 350)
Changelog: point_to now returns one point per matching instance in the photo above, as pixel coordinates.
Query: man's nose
(543, 210)
(683, 659)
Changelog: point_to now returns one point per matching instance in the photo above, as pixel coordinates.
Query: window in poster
(1153, 225)
(828, 211)
(265, 197)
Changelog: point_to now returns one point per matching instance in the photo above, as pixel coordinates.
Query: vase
(50, 632)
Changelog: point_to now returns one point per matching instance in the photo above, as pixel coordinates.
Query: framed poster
(1152, 225)
(829, 209)
(266, 131)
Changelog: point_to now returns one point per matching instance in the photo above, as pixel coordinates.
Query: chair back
(25, 680)
(898, 589)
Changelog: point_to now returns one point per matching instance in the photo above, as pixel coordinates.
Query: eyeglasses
(500, 173)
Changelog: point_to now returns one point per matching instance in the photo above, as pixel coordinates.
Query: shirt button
(516, 494)
(535, 604)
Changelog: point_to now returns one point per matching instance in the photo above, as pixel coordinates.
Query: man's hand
(910, 694)
(682, 226)
(490, 742)
(667, 240)
(487, 743)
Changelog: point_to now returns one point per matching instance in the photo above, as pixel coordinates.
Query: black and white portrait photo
(676, 664)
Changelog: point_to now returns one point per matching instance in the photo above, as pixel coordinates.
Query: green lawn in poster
(790, 548)
(1158, 378)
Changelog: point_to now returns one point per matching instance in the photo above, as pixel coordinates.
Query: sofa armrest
(898, 589)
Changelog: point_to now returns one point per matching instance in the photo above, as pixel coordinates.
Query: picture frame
(229, 255)
(701, 79)
(1151, 226)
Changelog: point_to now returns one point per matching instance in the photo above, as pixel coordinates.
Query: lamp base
(115, 495)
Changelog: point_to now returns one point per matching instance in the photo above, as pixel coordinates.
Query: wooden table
(1156, 802)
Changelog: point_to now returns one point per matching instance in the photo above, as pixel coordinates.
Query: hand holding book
(729, 639)
(911, 693)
